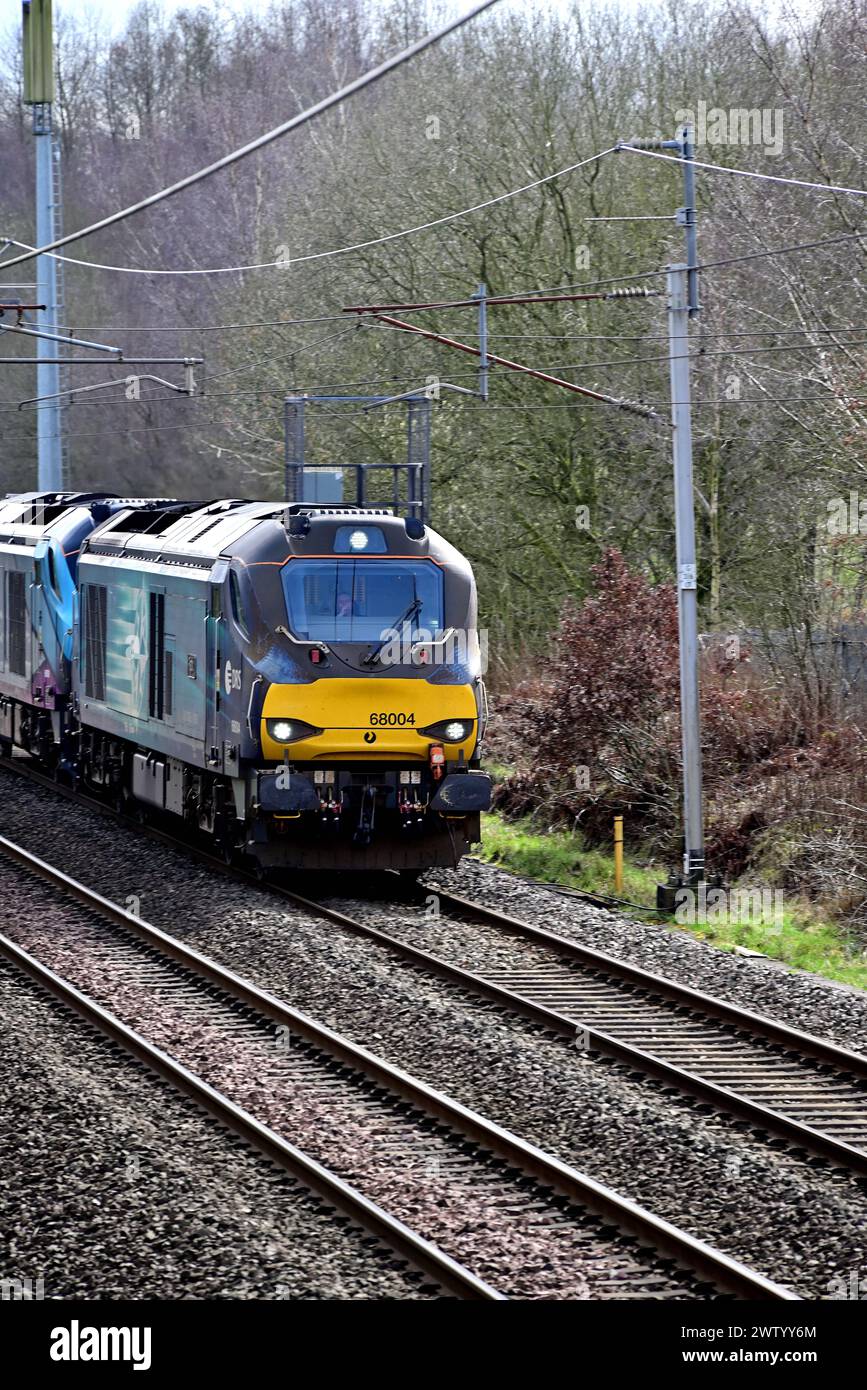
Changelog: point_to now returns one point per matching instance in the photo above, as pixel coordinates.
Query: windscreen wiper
(406, 616)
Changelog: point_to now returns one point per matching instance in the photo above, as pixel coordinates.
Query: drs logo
(391, 721)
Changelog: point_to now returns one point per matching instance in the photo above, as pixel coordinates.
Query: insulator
(636, 408)
(630, 292)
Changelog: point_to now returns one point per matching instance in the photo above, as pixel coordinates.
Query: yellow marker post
(618, 854)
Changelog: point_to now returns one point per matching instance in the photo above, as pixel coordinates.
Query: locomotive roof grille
(155, 519)
(42, 515)
(185, 520)
(326, 509)
(187, 533)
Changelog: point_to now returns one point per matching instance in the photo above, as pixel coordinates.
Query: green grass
(801, 938)
(558, 857)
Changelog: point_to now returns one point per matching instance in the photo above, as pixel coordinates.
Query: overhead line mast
(38, 93)
(683, 304)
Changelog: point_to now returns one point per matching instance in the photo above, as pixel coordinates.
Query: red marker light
(315, 655)
(437, 761)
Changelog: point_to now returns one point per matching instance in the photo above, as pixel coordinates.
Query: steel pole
(687, 593)
(687, 151)
(481, 295)
(293, 449)
(50, 464)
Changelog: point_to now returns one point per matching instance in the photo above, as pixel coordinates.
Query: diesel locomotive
(302, 684)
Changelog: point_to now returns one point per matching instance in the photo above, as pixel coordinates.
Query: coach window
(237, 606)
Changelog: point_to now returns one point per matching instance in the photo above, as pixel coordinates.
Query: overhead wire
(701, 352)
(320, 255)
(743, 173)
(696, 355)
(358, 84)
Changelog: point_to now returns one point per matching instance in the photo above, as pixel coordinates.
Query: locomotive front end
(370, 697)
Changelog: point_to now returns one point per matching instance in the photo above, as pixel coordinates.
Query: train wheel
(226, 848)
(409, 885)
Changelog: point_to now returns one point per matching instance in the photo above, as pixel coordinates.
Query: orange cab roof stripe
(331, 556)
(381, 556)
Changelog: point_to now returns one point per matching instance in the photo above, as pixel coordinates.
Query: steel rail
(769, 1120)
(805, 1043)
(421, 1253)
(725, 1273)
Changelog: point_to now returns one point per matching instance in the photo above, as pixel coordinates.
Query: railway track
(782, 1081)
(482, 1211)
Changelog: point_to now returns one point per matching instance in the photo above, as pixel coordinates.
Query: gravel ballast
(514, 1236)
(796, 1220)
(115, 1187)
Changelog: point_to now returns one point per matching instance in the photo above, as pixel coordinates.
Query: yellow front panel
(347, 710)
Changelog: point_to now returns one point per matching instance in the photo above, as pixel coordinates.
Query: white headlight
(358, 540)
(282, 729)
(455, 731)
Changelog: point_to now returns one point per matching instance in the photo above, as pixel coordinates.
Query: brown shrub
(607, 702)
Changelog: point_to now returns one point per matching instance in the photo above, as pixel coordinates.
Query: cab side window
(237, 605)
(52, 571)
